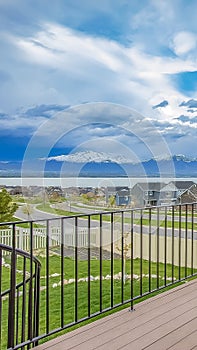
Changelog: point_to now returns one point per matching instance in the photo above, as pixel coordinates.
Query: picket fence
(22, 238)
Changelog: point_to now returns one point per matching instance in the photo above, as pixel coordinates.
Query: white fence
(22, 238)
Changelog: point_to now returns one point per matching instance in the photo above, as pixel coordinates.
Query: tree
(55, 197)
(112, 201)
(125, 249)
(88, 197)
(28, 210)
(7, 206)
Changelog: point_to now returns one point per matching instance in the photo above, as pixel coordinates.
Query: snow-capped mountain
(177, 157)
(101, 157)
(91, 156)
(103, 165)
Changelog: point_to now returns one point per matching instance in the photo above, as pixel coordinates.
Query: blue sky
(61, 54)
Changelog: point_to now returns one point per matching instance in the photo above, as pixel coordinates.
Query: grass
(47, 208)
(25, 224)
(25, 200)
(107, 218)
(53, 308)
(94, 207)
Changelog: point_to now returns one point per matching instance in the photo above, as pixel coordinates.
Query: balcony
(59, 273)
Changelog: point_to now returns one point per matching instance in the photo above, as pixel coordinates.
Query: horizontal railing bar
(126, 210)
(19, 252)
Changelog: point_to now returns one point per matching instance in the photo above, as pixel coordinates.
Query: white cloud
(66, 49)
(131, 134)
(53, 63)
(91, 68)
(183, 42)
(63, 48)
(16, 122)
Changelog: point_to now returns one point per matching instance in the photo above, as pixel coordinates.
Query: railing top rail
(115, 211)
(20, 252)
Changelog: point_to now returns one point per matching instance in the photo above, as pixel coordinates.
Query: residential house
(146, 193)
(112, 191)
(54, 191)
(123, 197)
(71, 191)
(189, 196)
(20, 191)
(86, 190)
(170, 193)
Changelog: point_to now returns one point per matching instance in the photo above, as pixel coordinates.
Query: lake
(65, 182)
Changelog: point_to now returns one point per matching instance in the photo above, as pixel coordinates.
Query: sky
(91, 75)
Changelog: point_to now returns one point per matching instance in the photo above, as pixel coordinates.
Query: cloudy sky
(137, 55)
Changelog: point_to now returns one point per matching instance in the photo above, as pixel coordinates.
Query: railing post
(30, 292)
(89, 266)
(36, 302)
(192, 238)
(76, 269)
(141, 250)
(158, 247)
(132, 257)
(150, 250)
(112, 259)
(165, 244)
(101, 262)
(47, 276)
(173, 243)
(62, 271)
(11, 306)
(186, 237)
(1, 263)
(122, 257)
(180, 231)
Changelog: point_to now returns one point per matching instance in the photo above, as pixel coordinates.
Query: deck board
(166, 321)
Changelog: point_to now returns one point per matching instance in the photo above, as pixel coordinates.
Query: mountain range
(100, 164)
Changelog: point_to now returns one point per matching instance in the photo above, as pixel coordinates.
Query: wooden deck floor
(167, 321)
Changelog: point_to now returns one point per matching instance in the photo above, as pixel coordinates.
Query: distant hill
(103, 166)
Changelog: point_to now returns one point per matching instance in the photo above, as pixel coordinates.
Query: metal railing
(19, 300)
(134, 253)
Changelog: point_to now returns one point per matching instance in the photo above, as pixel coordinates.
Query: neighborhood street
(82, 223)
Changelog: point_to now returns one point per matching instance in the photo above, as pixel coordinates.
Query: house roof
(123, 192)
(116, 189)
(192, 191)
(182, 185)
(151, 186)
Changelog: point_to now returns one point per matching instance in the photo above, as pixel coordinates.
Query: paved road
(127, 214)
(35, 214)
(69, 224)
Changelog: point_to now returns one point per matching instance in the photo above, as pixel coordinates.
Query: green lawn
(22, 224)
(107, 217)
(68, 309)
(47, 208)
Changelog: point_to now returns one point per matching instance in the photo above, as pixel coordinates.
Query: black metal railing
(19, 297)
(91, 263)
